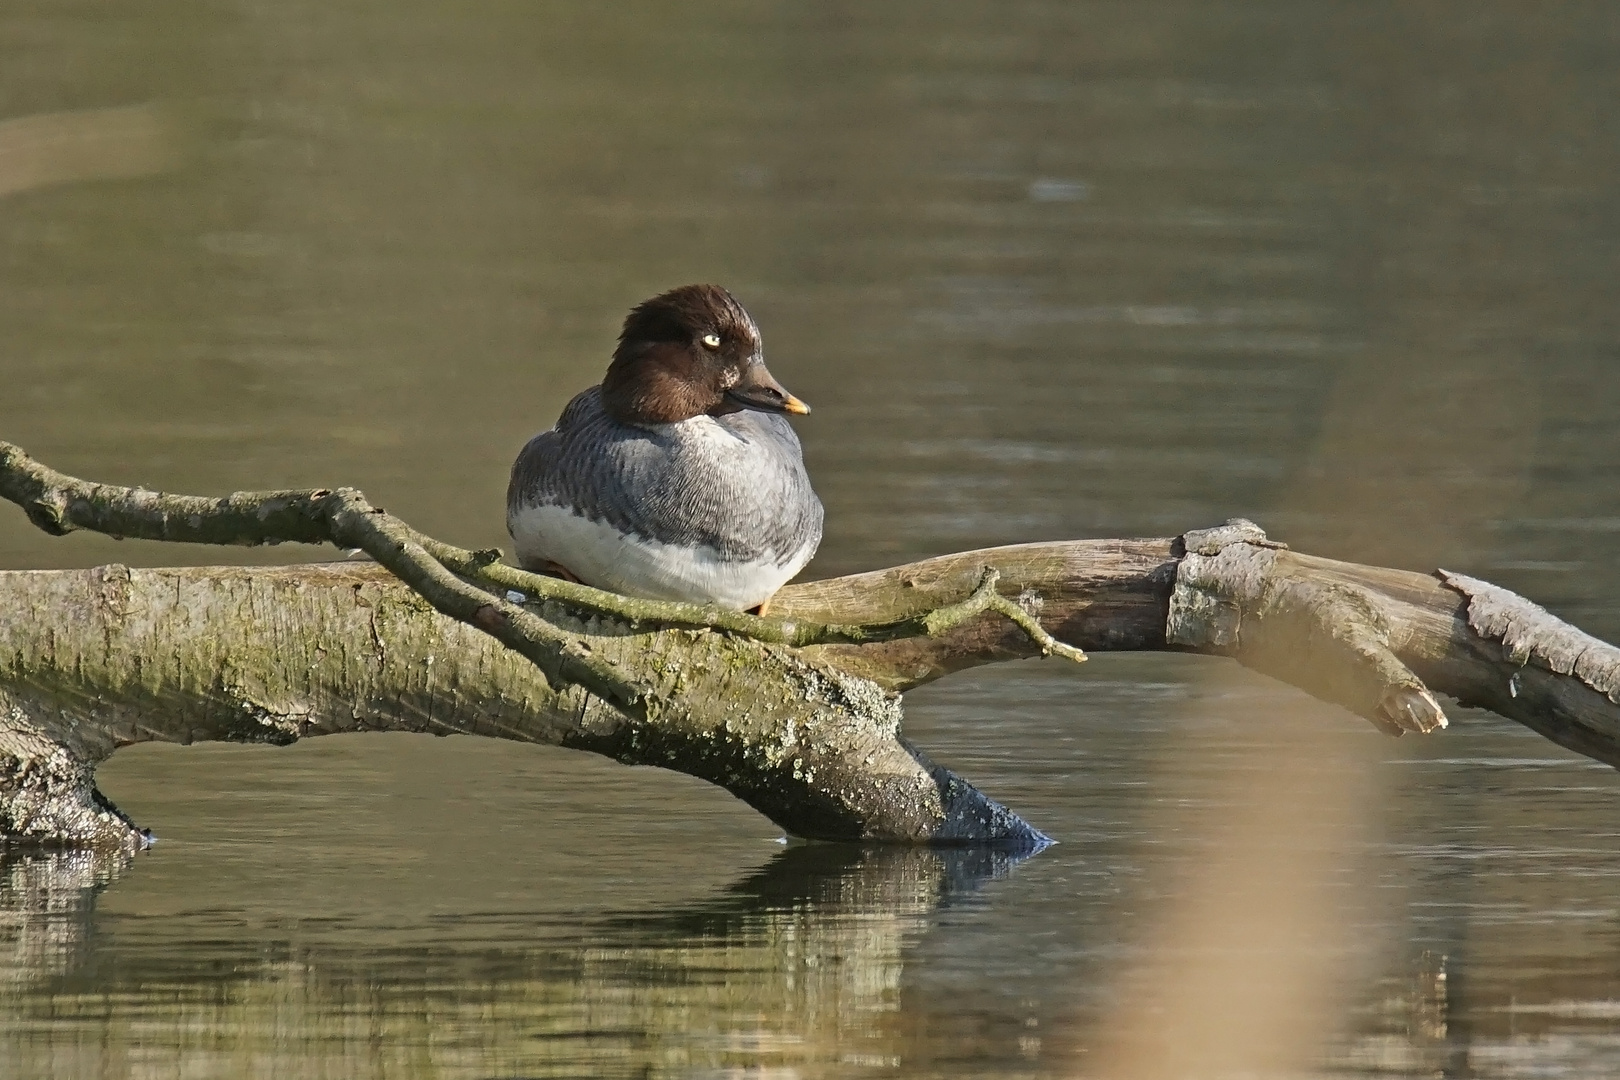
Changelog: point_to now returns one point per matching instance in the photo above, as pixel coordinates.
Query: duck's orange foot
(761, 609)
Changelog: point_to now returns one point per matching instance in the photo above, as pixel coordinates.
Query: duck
(679, 477)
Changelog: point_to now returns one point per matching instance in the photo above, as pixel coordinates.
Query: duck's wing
(558, 466)
(786, 514)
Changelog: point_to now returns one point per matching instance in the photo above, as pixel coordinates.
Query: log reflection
(46, 898)
(798, 965)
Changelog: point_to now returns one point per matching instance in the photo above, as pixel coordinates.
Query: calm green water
(1044, 270)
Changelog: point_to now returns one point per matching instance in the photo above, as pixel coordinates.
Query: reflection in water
(105, 144)
(45, 903)
(800, 963)
(1251, 961)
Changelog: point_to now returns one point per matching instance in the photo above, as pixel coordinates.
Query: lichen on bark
(277, 654)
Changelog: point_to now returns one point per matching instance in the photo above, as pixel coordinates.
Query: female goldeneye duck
(678, 478)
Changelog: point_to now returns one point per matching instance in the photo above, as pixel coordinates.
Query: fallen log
(799, 715)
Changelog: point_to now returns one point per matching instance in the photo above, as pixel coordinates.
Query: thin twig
(986, 598)
(60, 504)
(794, 632)
(356, 523)
(441, 572)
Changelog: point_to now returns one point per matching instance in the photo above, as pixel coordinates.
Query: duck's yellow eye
(711, 341)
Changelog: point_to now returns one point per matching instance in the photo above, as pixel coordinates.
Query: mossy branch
(797, 633)
(442, 573)
(60, 504)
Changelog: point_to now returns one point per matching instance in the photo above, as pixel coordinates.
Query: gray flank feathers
(735, 484)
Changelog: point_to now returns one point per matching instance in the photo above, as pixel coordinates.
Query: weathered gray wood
(1537, 669)
(1239, 594)
(1531, 635)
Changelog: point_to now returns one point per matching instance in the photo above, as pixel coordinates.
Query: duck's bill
(766, 395)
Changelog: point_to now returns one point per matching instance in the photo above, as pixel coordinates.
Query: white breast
(600, 555)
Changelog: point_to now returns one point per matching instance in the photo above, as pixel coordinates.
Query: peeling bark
(1541, 671)
(1530, 635)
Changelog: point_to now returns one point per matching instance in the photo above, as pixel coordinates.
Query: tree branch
(60, 504)
(794, 714)
(839, 771)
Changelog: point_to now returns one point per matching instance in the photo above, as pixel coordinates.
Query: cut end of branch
(28, 484)
(48, 517)
(1412, 708)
